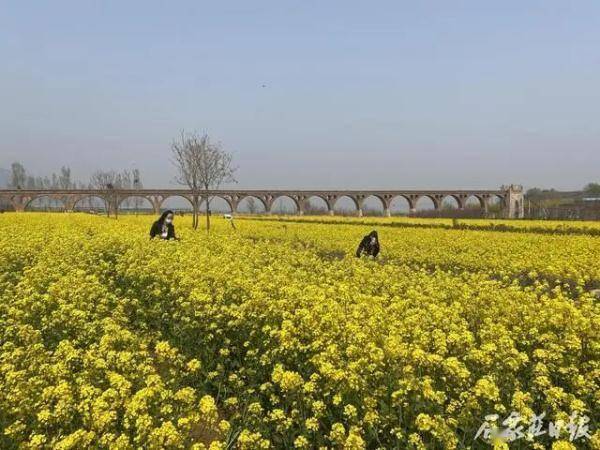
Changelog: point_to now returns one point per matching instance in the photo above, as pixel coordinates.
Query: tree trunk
(114, 205)
(195, 212)
(207, 214)
(193, 202)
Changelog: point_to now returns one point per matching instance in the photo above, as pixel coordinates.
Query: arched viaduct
(510, 196)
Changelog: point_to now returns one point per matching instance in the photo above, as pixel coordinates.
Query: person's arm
(172, 233)
(153, 231)
(360, 249)
(376, 250)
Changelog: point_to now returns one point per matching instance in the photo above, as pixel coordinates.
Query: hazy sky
(404, 94)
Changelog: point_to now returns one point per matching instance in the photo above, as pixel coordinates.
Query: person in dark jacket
(369, 245)
(163, 227)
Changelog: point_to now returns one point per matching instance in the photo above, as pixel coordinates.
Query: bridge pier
(515, 204)
(437, 201)
(233, 204)
(19, 202)
(484, 206)
(156, 201)
(70, 203)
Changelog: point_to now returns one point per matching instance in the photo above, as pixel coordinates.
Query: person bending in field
(163, 227)
(369, 245)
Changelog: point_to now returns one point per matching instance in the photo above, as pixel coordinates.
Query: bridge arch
(401, 204)
(317, 204)
(35, 203)
(253, 205)
(216, 203)
(94, 202)
(6, 203)
(175, 202)
(135, 203)
(497, 205)
(343, 204)
(497, 199)
(426, 203)
(451, 201)
(374, 205)
(475, 201)
(279, 201)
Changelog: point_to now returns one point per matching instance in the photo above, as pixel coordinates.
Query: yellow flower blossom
(274, 335)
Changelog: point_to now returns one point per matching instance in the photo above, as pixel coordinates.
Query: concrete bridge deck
(511, 197)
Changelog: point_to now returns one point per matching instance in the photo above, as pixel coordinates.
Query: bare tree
(64, 181)
(109, 181)
(18, 176)
(124, 181)
(112, 181)
(201, 165)
(64, 178)
(137, 185)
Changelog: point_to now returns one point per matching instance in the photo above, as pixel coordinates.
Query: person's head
(373, 236)
(166, 217)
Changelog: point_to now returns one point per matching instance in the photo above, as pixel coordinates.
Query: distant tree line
(20, 179)
(553, 204)
(201, 165)
(592, 189)
(108, 180)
